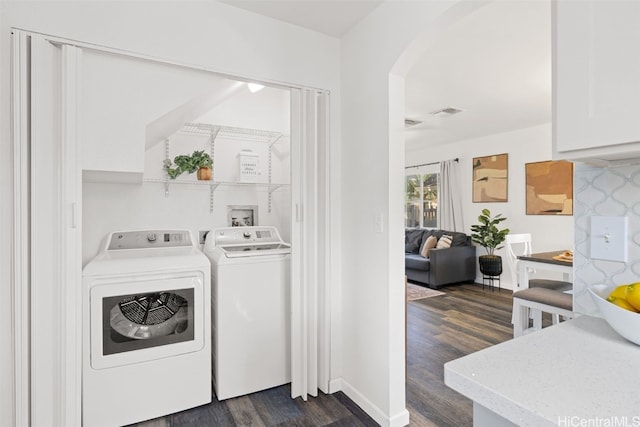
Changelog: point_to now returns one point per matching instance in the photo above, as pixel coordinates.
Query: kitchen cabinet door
(596, 76)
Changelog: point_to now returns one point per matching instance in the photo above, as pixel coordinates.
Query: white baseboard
(335, 385)
(397, 420)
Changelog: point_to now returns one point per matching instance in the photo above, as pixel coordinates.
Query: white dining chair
(531, 303)
(520, 245)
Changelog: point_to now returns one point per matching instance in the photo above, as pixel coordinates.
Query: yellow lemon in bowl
(619, 292)
(621, 302)
(633, 295)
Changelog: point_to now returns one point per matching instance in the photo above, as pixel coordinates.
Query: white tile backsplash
(613, 191)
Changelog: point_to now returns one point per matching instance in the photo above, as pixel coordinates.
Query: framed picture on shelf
(549, 188)
(242, 215)
(490, 178)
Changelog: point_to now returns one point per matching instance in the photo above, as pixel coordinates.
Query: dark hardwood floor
(273, 407)
(443, 328)
(463, 320)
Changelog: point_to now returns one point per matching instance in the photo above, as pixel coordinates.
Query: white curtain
(309, 294)
(449, 198)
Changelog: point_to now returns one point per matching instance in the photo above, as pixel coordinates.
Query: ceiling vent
(410, 122)
(446, 112)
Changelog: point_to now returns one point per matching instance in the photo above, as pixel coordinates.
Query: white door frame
(63, 239)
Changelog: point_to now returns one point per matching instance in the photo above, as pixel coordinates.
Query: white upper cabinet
(596, 78)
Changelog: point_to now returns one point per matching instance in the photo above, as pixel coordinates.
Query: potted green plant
(489, 236)
(199, 161)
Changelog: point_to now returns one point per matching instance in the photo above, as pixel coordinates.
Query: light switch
(609, 238)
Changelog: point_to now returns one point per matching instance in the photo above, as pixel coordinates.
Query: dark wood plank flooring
(273, 407)
(442, 328)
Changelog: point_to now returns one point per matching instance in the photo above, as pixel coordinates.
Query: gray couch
(444, 266)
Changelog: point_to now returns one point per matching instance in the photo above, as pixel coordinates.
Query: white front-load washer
(251, 324)
(146, 328)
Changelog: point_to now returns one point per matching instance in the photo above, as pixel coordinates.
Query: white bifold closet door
(46, 237)
(309, 289)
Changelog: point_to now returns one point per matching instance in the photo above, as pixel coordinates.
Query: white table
(577, 370)
(542, 261)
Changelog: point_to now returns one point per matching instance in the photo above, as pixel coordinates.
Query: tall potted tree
(489, 236)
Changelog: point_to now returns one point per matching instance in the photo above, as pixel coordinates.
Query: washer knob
(246, 234)
(151, 237)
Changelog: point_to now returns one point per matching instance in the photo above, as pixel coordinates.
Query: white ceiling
(330, 17)
(495, 65)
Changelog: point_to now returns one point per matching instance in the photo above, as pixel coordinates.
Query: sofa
(442, 266)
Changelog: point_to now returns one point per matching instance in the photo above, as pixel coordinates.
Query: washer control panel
(149, 239)
(238, 235)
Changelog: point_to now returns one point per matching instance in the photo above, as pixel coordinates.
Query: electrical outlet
(202, 236)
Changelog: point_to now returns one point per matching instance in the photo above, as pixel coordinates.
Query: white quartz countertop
(578, 370)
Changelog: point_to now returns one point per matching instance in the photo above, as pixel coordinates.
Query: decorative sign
(249, 162)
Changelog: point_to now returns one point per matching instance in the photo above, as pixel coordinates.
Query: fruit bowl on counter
(623, 320)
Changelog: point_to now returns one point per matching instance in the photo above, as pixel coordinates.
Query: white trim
(122, 52)
(20, 253)
(397, 420)
(335, 385)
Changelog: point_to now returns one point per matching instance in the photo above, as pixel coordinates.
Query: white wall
(548, 232)
(209, 34)
(120, 96)
(372, 198)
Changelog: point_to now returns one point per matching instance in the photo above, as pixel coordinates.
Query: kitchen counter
(577, 370)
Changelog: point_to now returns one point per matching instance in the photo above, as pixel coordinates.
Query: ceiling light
(446, 112)
(255, 87)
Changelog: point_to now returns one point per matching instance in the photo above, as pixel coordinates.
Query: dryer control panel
(149, 239)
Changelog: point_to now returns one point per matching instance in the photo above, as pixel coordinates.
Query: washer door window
(162, 318)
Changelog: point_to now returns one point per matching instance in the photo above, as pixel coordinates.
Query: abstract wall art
(490, 178)
(549, 188)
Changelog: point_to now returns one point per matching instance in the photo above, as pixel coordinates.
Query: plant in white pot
(199, 162)
(489, 236)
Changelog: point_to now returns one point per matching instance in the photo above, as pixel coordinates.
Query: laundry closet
(95, 114)
(153, 302)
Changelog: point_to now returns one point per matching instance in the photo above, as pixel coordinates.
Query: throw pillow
(429, 244)
(444, 242)
(410, 247)
(412, 239)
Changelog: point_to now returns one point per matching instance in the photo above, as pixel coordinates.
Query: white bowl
(624, 322)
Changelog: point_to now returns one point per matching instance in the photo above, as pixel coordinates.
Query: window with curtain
(421, 198)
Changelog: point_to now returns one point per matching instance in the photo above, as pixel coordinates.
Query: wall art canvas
(490, 178)
(549, 188)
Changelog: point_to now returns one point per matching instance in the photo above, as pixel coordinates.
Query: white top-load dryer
(146, 328)
(251, 309)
